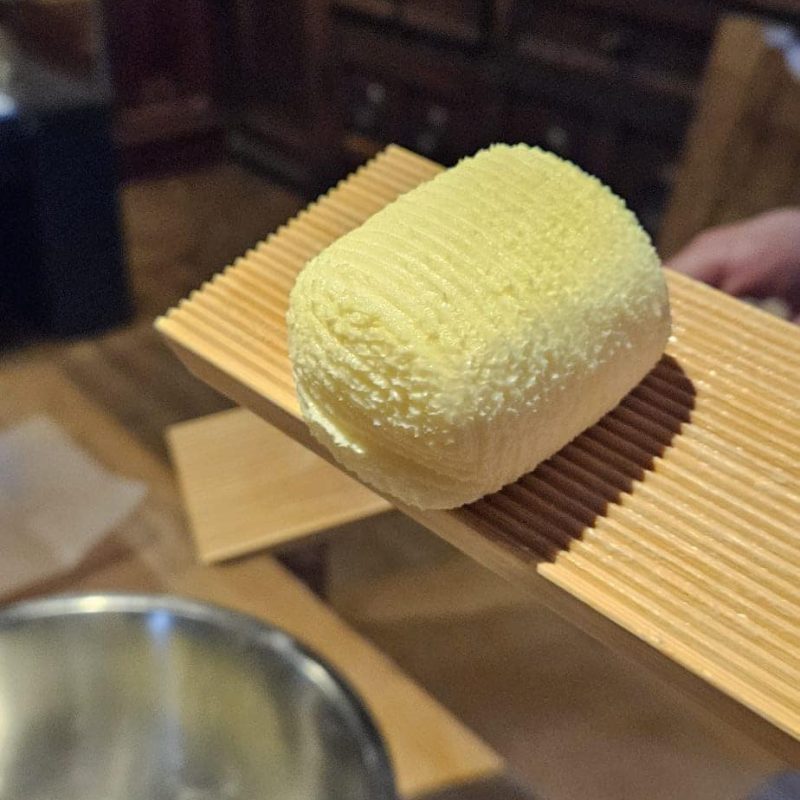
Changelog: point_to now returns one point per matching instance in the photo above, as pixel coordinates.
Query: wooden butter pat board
(246, 486)
(670, 530)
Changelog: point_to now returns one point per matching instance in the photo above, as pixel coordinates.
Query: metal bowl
(122, 697)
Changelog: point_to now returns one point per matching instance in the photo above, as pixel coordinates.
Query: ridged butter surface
(472, 328)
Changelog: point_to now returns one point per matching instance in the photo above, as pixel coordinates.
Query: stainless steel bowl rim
(258, 632)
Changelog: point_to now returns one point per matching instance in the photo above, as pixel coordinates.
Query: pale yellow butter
(475, 326)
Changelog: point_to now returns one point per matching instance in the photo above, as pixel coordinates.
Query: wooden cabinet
(568, 130)
(609, 85)
(312, 88)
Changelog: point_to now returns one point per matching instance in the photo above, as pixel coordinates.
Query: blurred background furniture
(309, 90)
(306, 91)
(742, 154)
(610, 85)
(61, 256)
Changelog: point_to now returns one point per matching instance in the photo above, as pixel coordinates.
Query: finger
(700, 262)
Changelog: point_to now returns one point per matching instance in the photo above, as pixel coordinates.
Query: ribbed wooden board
(670, 530)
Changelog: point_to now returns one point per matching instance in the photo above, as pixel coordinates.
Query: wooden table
(151, 552)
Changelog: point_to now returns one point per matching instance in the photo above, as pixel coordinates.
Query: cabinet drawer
(432, 125)
(372, 106)
(604, 43)
(462, 20)
(442, 70)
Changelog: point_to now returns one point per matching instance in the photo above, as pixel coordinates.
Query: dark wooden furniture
(310, 89)
(279, 88)
(608, 83)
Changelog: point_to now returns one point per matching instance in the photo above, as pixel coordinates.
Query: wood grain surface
(668, 530)
(248, 487)
(151, 552)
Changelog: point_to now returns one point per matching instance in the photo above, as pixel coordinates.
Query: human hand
(758, 257)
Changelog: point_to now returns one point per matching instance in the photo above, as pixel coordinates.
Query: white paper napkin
(56, 502)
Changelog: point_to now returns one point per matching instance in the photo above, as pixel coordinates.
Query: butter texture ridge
(473, 327)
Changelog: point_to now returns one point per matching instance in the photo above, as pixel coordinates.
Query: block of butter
(473, 327)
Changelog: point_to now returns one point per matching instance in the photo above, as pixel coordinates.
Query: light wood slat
(669, 530)
(247, 487)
